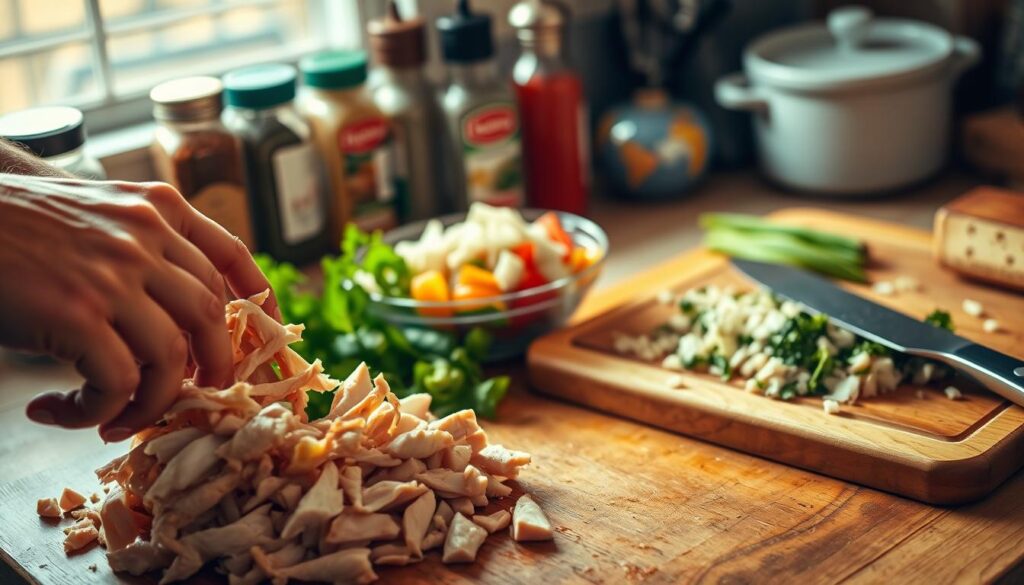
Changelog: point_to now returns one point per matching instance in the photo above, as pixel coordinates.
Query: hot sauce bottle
(482, 138)
(552, 111)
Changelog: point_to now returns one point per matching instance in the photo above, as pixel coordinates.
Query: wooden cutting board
(924, 446)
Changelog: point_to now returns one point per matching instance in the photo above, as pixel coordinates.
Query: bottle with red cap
(552, 110)
(482, 138)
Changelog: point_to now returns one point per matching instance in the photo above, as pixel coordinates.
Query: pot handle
(966, 53)
(735, 93)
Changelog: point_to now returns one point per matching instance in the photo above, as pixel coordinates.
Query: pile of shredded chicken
(242, 479)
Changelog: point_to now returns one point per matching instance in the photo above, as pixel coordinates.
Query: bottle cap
(395, 42)
(538, 24)
(259, 86)
(46, 132)
(188, 98)
(465, 35)
(334, 69)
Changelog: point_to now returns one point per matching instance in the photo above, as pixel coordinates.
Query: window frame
(332, 23)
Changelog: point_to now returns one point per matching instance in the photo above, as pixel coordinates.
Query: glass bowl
(528, 313)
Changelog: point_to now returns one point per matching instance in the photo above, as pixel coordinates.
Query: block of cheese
(981, 235)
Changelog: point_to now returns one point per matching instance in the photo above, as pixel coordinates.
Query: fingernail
(117, 434)
(41, 416)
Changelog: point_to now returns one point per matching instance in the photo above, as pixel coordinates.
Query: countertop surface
(658, 507)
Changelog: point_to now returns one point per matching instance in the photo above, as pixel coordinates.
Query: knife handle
(999, 372)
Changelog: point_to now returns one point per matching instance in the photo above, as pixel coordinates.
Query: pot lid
(854, 49)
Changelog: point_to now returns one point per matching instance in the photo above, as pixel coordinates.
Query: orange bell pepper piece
(430, 286)
(467, 292)
(477, 277)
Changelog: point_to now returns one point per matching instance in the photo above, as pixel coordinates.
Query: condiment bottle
(284, 175)
(193, 151)
(354, 139)
(401, 90)
(482, 138)
(552, 110)
(57, 135)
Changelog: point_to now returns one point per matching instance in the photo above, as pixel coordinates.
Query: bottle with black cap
(57, 135)
(482, 122)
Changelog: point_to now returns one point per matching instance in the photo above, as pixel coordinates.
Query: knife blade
(997, 371)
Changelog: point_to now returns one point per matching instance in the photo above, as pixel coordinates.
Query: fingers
(185, 254)
(200, 314)
(227, 253)
(110, 372)
(162, 350)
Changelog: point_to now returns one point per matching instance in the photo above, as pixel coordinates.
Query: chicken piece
(311, 378)
(352, 484)
(451, 484)
(417, 405)
(391, 554)
(443, 516)
(353, 526)
(463, 540)
(493, 522)
(48, 508)
(406, 471)
(88, 514)
(497, 460)
(288, 497)
(190, 505)
(377, 458)
(529, 522)
(390, 494)
(462, 506)
(264, 490)
(479, 501)
(416, 520)
(238, 564)
(235, 398)
(70, 499)
(433, 539)
(350, 566)
(463, 427)
(353, 390)
(79, 524)
(185, 469)
(457, 457)
(409, 422)
(419, 443)
(370, 402)
(139, 557)
(80, 536)
(382, 424)
(198, 548)
(321, 503)
(266, 564)
(113, 471)
(260, 434)
(119, 522)
(496, 487)
(167, 446)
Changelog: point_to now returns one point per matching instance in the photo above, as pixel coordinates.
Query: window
(104, 55)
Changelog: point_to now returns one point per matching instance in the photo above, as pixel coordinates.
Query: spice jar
(57, 135)
(284, 176)
(193, 151)
(403, 93)
(482, 139)
(354, 139)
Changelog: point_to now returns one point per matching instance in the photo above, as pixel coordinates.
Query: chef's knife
(999, 372)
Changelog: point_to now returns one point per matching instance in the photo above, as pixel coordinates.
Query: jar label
(492, 155)
(368, 164)
(226, 204)
(299, 195)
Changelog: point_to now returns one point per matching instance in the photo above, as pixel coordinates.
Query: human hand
(125, 280)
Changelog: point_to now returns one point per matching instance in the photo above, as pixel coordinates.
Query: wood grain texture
(932, 449)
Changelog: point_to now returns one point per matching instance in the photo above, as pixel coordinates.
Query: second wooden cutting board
(914, 442)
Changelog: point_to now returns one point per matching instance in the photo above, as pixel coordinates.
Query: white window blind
(104, 55)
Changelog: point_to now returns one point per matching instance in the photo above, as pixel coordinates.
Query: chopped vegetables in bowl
(517, 273)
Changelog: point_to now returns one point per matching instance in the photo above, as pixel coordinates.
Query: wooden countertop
(632, 503)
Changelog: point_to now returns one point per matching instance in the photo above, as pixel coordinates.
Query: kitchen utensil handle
(999, 372)
(735, 92)
(849, 26)
(966, 53)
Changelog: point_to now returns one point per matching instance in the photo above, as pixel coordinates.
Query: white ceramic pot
(860, 106)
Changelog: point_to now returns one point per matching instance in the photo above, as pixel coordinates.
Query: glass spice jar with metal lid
(284, 175)
(193, 150)
(57, 135)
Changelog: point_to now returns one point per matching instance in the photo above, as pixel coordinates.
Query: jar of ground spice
(193, 151)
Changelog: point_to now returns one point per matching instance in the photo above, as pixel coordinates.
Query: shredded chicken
(529, 521)
(240, 478)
